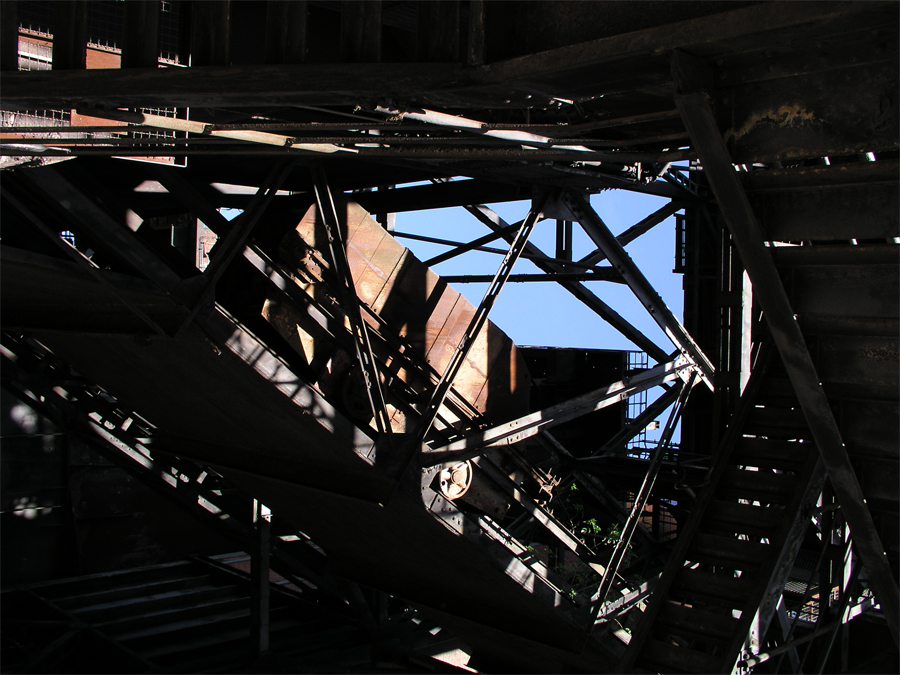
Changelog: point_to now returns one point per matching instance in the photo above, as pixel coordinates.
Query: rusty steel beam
(547, 264)
(698, 117)
(478, 321)
(334, 229)
(534, 423)
(636, 230)
(597, 230)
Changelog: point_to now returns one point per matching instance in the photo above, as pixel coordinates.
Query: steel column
(259, 579)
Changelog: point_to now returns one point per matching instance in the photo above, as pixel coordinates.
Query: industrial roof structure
(413, 491)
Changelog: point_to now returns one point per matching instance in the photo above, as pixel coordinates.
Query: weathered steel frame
(478, 322)
(337, 246)
(549, 265)
(534, 423)
(106, 433)
(83, 262)
(643, 493)
(237, 236)
(700, 121)
(597, 230)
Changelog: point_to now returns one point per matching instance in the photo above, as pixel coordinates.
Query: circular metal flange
(454, 480)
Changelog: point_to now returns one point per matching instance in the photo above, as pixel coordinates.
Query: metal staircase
(715, 595)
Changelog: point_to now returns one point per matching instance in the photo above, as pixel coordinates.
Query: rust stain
(886, 353)
(430, 316)
(784, 116)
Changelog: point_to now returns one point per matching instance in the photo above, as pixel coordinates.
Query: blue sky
(545, 314)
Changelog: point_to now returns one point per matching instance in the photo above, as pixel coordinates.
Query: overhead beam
(437, 36)
(440, 196)
(299, 84)
(752, 27)
(323, 84)
(698, 117)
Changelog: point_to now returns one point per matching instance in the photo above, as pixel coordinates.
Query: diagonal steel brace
(350, 300)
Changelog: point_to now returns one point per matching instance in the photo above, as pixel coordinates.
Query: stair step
(107, 580)
(754, 521)
(710, 549)
(75, 602)
(186, 646)
(668, 658)
(770, 453)
(697, 624)
(774, 422)
(138, 606)
(197, 629)
(117, 627)
(762, 486)
(777, 416)
(720, 589)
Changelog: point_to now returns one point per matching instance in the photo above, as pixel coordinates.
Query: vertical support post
(9, 36)
(69, 35)
(210, 27)
(361, 31)
(643, 494)
(564, 240)
(140, 43)
(286, 31)
(475, 48)
(437, 35)
(259, 579)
